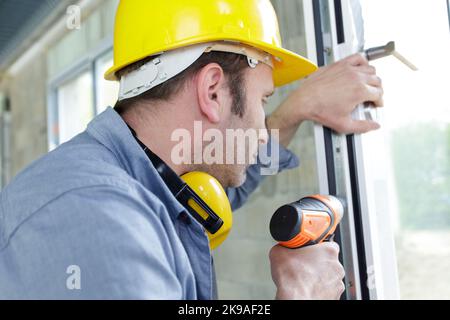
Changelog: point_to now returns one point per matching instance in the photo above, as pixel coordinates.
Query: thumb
(363, 126)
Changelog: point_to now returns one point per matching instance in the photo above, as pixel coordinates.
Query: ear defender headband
(200, 193)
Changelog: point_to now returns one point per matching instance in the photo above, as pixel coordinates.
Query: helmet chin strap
(169, 64)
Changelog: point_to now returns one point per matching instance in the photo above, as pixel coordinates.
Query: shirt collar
(109, 129)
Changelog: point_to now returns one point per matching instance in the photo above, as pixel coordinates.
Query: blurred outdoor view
(416, 136)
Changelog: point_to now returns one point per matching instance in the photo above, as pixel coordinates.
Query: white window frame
(380, 279)
(319, 45)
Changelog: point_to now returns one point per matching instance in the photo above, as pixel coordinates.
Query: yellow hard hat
(146, 28)
(211, 191)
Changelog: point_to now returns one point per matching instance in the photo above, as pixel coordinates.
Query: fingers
(357, 59)
(367, 83)
(368, 69)
(370, 88)
(379, 103)
(363, 126)
(275, 251)
(312, 272)
(374, 81)
(338, 270)
(339, 284)
(351, 126)
(332, 248)
(374, 94)
(340, 288)
(369, 74)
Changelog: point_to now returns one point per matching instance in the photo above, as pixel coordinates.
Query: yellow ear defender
(210, 190)
(200, 193)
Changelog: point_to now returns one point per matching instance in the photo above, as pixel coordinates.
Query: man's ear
(210, 83)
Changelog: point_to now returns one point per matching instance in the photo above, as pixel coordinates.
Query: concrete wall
(26, 92)
(27, 88)
(28, 100)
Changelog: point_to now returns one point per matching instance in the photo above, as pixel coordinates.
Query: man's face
(258, 88)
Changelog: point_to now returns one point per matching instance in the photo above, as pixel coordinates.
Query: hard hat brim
(292, 66)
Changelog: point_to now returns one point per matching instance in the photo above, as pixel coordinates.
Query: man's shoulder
(118, 242)
(72, 166)
(70, 177)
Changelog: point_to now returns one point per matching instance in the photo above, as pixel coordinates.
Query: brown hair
(232, 64)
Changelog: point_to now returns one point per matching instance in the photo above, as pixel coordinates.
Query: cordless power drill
(311, 220)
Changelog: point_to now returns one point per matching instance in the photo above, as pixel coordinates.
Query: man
(94, 219)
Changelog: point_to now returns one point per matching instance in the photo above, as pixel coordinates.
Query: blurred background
(412, 151)
(52, 58)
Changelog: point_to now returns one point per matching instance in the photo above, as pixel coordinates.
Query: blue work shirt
(94, 220)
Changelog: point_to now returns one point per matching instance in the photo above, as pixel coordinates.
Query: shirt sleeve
(96, 243)
(266, 166)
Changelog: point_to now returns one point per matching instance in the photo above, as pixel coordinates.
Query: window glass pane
(75, 106)
(242, 263)
(408, 162)
(107, 91)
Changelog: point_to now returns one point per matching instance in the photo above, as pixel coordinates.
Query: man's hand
(310, 273)
(328, 97)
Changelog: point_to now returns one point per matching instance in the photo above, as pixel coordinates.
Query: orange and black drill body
(311, 220)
